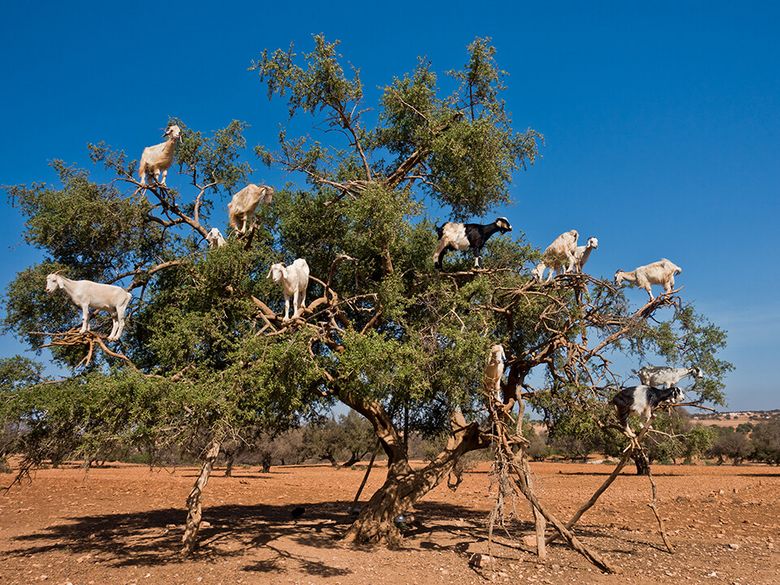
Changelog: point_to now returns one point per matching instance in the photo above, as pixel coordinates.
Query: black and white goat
(466, 236)
(642, 400)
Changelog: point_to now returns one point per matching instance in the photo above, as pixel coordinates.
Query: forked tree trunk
(404, 486)
(194, 500)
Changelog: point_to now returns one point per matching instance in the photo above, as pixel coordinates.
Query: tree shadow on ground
(153, 537)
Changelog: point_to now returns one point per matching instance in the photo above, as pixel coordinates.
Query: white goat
(215, 239)
(558, 256)
(86, 294)
(661, 272)
(660, 376)
(158, 158)
(295, 281)
(582, 253)
(241, 209)
(494, 371)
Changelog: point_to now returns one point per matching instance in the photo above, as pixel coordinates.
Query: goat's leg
(438, 255)
(286, 308)
(119, 323)
(164, 176)
(296, 308)
(85, 318)
(303, 299)
(477, 258)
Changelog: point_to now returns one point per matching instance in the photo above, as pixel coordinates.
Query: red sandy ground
(122, 524)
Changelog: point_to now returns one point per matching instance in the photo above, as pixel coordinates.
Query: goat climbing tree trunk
(194, 506)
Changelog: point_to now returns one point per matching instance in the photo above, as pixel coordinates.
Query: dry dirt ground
(123, 524)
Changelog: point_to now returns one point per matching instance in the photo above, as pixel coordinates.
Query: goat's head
(619, 275)
(696, 371)
(268, 194)
(277, 272)
(173, 132)
(538, 271)
(497, 354)
(677, 395)
(53, 282)
(503, 225)
(593, 243)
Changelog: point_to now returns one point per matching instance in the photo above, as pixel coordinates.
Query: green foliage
(91, 228)
(216, 158)
(766, 441)
(731, 444)
(321, 83)
(391, 337)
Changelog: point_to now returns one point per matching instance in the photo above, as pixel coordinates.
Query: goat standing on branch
(241, 209)
(642, 400)
(465, 236)
(582, 253)
(157, 159)
(661, 272)
(660, 376)
(560, 256)
(295, 281)
(86, 294)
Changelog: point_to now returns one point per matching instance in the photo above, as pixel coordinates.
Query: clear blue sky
(661, 120)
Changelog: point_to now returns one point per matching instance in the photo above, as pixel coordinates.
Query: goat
(465, 236)
(241, 209)
(215, 239)
(642, 400)
(86, 294)
(494, 371)
(295, 281)
(664, 376)
(582, 253)
(661, 272)
(560, 256)
(158, 158)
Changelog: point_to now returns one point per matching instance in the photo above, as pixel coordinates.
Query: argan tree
(206, 355)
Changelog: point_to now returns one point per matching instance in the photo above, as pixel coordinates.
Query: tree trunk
(193, 500)
(330, 459)
(229, 459)
(354, 458)
(642, 463)
(404, 486)
(266, 461)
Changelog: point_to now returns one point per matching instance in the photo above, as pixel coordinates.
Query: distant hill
(734, 419)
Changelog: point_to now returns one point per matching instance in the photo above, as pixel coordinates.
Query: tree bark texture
(194, 507)
(404, 486)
